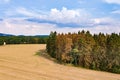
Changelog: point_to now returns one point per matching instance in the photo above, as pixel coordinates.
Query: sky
(40, 17)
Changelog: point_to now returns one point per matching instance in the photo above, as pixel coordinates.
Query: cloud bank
(113, 1)
(62, 21)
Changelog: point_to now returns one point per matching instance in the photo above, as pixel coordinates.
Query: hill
(3, 34)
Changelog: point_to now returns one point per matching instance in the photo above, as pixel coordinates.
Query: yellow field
(19, 62)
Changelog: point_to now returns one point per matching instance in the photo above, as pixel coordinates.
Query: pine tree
(51, 44)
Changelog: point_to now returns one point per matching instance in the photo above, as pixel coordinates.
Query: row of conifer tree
(23, 39)
(98, 51)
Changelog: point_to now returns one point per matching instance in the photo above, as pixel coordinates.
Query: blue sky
(30, 17)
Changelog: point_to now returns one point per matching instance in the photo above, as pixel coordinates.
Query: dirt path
(19, 62)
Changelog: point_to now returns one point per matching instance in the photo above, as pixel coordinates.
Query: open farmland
(19, 62)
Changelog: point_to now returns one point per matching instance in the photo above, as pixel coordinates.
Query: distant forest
(23, 39)
(98, 51)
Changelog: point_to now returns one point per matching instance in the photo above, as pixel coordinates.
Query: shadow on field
(43, 53)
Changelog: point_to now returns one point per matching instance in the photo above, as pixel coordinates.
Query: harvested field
(19, 62)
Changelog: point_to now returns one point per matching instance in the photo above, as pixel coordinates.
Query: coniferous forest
(98, 51)
(23, 39)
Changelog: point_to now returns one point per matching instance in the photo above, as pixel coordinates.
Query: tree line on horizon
(98, 51)
(23, 39)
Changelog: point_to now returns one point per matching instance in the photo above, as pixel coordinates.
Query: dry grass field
(19, 62)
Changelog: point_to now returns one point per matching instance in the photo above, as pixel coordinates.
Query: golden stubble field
(19, 62)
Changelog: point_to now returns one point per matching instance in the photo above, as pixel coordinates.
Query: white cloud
(81, 1)
(68, 16)
(4, 1)
(105, 25)
(77, 16)
(23, 27)
(21, 11)
(24, 11)
(104, 21)
(113, 1)
(20, 26)
(28, 13)
(116, 12)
